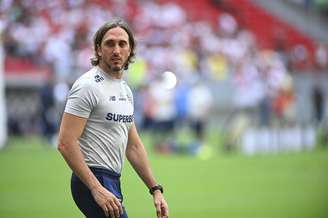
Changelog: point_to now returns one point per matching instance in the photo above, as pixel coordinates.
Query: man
(97, 129)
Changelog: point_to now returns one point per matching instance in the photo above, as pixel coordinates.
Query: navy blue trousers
(84, 199)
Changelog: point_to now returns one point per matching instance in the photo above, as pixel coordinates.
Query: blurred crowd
(193, 53)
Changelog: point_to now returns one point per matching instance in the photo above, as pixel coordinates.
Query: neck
(110, 72)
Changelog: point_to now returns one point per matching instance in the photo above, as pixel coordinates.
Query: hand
(108, 202)
(162, 210)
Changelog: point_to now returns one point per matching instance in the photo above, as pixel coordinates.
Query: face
(114, 50)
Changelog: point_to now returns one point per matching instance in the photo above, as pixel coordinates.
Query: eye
(123, 44)
(110, 43)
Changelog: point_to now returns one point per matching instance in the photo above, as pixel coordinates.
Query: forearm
(137, 156)
(74, 158)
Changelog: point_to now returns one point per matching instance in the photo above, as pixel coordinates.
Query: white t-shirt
(107, 103)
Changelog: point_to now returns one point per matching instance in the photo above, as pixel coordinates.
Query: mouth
(116, 59)
(116, 62)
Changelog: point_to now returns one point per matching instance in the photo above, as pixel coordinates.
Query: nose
(116, 50)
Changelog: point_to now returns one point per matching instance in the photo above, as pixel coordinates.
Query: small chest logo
(122, 99)
(99, 78)
(112, 98)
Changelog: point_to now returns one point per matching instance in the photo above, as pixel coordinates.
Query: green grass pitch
(34, 183)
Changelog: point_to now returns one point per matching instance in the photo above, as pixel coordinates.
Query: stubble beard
(115, 68)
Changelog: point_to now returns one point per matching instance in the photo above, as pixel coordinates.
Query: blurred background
(231, 100)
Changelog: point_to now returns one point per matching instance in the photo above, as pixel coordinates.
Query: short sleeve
(82, 98)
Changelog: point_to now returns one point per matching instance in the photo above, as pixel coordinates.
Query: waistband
(98, 170)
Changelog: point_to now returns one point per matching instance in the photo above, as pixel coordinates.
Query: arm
(137, 156)
(70, 130)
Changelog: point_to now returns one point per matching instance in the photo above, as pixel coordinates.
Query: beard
(116, 68)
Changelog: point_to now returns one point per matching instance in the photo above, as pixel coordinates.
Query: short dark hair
(99, 35)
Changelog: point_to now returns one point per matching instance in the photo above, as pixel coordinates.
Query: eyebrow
(113, 40)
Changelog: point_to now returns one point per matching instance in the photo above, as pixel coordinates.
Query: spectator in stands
(321, 57)
(299, 58)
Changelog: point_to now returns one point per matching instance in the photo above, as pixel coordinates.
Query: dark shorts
(84, 199)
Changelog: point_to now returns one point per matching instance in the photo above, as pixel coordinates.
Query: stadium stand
(242, 52)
